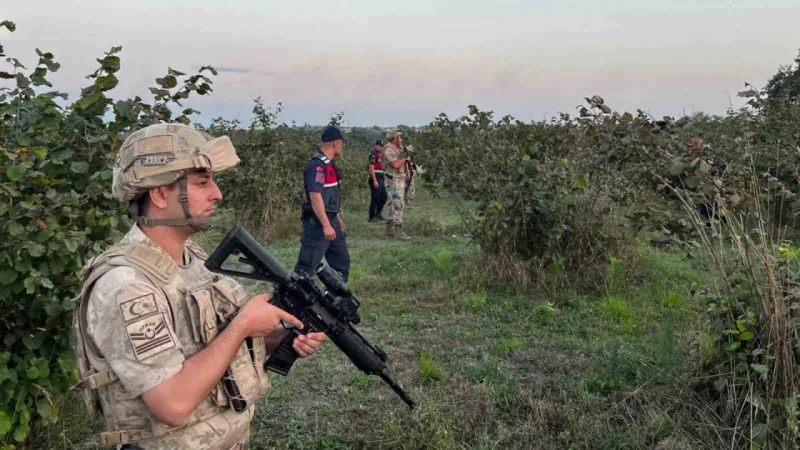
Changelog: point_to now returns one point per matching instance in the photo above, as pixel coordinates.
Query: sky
(404, 62)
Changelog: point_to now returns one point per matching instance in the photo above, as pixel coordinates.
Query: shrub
(266, 190)
(56, 211)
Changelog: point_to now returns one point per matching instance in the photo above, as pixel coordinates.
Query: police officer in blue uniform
(323, 227)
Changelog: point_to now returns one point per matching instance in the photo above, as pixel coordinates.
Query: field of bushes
(603, 279)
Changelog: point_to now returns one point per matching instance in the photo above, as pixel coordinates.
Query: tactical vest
(389, 170)
(198, 303)
(375, 160)
(331, 197)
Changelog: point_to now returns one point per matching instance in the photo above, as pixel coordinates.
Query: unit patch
(150, 336)
(138, 307)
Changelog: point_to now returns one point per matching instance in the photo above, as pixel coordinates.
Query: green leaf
(28, 206)
(51, 194)
(746, 336)
(5, 423)
(170, 82)
(40, 152)
(693, 182)
(110, 64)
(35, 249)
(33, 373)
(740, 325)
(30, 285)
(734, 346)
(677, 167)
(44, 409)
(71, 245)
(702, 169)
(172, 71)
(759, 368)
(80, 167)
(10, 26)
(22, 81)
(86, 102)
(8, 276)
(14, 228)
(106, 175)
(21, 433)
(29, 342)
(107, 82)
(47, 283)
(14, 173)
(3, 208)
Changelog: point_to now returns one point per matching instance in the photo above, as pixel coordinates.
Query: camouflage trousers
(396, 190)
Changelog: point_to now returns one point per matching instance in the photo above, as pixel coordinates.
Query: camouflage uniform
(140, 315)
(395, 187)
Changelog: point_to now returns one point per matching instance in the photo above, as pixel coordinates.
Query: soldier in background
(150, 354)
(394, 165)
(377, 184)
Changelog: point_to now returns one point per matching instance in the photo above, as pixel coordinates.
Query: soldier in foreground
(395, 172)
(150, 354)
(323, 227)
(376, 184)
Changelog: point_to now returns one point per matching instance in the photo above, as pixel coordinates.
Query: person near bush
(323, 227)
(151, 357)
(377, 185)
(395, 172)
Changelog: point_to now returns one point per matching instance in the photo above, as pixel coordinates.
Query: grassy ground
(490, 368)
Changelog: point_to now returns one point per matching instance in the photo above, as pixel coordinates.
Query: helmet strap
(198, 223)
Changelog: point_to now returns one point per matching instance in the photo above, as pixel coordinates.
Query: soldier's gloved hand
(306, 344)
(330, 233)
(260, 318)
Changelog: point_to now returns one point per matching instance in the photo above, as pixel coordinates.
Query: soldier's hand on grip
(306, 344)
(260, 317)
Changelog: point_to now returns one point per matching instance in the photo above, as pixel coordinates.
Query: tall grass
(749, 381)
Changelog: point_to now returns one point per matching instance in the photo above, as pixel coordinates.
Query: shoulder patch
(138, 307)
(150, 336)
(320, 169)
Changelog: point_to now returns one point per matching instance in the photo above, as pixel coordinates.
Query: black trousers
(314, 246)
(378, 196)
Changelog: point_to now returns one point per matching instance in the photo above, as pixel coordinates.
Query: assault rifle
(333, 311)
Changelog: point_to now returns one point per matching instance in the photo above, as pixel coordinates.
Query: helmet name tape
(154, 160)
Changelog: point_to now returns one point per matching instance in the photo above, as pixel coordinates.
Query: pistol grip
(283, 357)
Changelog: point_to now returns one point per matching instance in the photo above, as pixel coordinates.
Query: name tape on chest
(150, 336)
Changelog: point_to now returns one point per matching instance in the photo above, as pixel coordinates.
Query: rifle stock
(333, 311)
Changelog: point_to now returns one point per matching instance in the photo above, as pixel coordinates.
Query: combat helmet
(160, 155)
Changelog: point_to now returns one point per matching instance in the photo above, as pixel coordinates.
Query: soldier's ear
(159, 197)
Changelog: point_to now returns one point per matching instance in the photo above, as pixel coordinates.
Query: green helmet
(162, 154)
